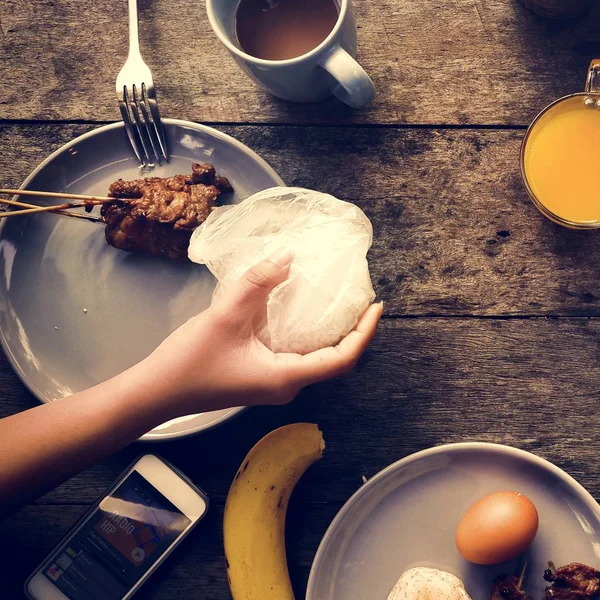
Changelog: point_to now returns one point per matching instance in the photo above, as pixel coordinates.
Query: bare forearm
(213, 361)
(44, 446)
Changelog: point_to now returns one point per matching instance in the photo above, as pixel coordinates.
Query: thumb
(250, 293)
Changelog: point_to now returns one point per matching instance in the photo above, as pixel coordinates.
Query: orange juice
(561, 161)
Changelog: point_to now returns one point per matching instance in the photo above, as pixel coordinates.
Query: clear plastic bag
(329, 286)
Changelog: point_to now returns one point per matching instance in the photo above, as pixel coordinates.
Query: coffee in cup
(282, 29)
(299, 50)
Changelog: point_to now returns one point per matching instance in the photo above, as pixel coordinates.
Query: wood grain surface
(454, 230)
(476, 61)
(530, 383)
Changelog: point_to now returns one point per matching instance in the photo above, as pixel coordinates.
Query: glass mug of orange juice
(560, 157)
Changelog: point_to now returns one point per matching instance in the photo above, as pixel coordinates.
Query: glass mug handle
(355, 87)
(592, 84)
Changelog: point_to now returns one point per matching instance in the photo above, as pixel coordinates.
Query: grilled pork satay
(574, 581)
(158, 215)
(508, 588)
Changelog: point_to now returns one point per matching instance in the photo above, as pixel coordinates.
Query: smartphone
(115, 547)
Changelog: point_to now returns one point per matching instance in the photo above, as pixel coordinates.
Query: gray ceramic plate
(406, 516)
(52, 268)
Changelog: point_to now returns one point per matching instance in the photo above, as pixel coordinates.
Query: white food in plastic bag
(329, 286)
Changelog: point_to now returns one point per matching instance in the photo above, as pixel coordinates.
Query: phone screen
(122, 539)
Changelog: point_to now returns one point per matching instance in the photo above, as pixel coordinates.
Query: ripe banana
(254, 521)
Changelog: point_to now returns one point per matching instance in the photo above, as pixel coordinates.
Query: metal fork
(138, 102)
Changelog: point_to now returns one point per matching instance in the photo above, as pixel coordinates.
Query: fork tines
(139, 110)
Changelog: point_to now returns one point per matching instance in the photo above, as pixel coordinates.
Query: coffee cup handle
(355, 87)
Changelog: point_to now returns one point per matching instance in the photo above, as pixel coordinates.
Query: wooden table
(491, 328)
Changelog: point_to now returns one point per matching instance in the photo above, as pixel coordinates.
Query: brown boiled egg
(498, 527)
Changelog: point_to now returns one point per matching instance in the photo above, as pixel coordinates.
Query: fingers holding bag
(328, 286)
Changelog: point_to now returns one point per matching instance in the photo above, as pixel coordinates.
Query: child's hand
(216, 360)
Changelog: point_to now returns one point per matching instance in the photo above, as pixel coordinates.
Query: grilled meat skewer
(158, 215)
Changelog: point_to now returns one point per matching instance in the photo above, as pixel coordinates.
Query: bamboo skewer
(41, 209)
(99, 199)
(58, 208)
(522, 576)
(32, 208)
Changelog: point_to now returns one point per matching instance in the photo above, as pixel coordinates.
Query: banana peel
(256, 508)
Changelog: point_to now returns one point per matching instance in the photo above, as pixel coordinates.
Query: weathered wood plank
(480, 61)
(196, 571)
(438, 380)
(531, 383)
(455, 233)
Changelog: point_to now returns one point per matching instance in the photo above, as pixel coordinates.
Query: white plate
(52, 268)
(407, 514)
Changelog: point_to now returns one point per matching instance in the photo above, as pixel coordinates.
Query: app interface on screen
(118, 544)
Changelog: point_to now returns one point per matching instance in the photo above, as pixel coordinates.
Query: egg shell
(498, 527)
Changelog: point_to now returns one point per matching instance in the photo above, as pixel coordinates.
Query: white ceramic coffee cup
(327, 69)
